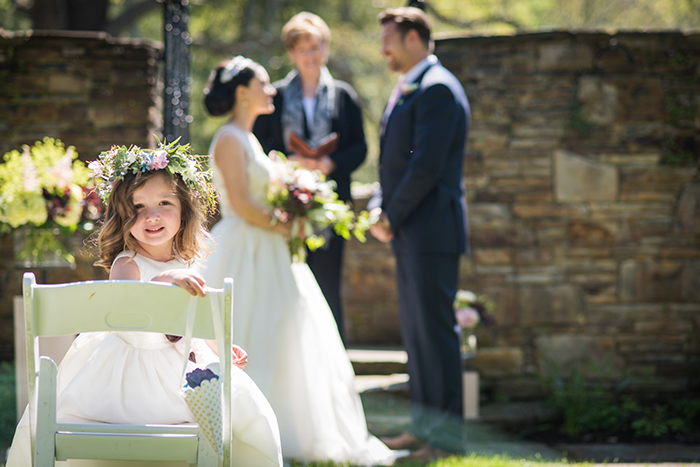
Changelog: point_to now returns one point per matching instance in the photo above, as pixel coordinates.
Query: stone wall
(584, 209)
(87, 89)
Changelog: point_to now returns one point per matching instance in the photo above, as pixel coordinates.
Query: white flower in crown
(131, 155)
(190, 173)
(233, 67)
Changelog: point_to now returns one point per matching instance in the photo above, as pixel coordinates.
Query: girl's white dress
(134, 377)
(282, 319)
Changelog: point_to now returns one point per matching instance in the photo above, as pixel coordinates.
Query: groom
(422, 211)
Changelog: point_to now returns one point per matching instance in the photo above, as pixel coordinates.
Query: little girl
(156, 205)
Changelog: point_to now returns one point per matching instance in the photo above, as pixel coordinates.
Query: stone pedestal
(470, 394)
(54, 347)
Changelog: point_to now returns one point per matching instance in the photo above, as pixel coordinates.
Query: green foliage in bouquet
(302, 194)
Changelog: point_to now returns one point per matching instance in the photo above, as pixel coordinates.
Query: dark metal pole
(176, 76)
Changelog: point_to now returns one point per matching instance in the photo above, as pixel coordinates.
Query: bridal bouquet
(303, 194)
(203, 396)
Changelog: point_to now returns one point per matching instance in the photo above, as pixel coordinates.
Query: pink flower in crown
(159, 160)
(467, 318)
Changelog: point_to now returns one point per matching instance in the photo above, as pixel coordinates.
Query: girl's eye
(166, 203)
(138, 206)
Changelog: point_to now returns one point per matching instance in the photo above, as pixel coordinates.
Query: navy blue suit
(420, 168)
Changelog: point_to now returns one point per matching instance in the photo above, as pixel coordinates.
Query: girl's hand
(239, 357)
(191, 281)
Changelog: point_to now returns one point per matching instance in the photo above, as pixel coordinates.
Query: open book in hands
(326, 146)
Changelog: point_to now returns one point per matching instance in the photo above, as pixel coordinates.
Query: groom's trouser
(427, 284)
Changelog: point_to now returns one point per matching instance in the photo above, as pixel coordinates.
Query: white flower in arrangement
(63, 170)
(466, 296)
(30, 176)
(306, 180)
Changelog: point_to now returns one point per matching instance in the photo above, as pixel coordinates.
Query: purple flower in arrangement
(198, 376)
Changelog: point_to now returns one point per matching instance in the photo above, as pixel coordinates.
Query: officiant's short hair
(305, 24)
(407, 18)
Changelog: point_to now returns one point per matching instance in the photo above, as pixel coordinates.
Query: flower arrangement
(114, 164)
(299, 193)
(43, 194)
(470, 311)
(203, 396)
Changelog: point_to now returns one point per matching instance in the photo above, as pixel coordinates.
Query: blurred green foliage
(222, 28)
(8, 405)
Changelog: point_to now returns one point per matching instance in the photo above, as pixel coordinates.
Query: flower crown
(119, 161)
(233, 67)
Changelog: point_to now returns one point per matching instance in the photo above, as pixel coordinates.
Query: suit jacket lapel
(418, 82)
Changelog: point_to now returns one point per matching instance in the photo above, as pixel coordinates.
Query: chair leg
(45, 444)
(206, 455)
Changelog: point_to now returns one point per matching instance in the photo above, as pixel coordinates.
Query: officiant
(318, 122)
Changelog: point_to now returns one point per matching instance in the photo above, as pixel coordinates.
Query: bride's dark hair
(219, 98)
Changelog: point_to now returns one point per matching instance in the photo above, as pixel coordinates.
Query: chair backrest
(72, 308)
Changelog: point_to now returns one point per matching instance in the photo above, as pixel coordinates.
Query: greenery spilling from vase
(44, 199)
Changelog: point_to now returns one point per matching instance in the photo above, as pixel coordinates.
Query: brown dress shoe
(404, 441)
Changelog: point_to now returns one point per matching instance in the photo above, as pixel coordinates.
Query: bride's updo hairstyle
(220, 93)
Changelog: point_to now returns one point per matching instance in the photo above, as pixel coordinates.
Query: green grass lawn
(472, 460)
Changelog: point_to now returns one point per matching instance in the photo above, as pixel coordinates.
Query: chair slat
(126, 447)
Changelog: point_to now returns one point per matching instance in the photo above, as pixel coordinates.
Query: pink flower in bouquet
(467, 318)
(159, 160)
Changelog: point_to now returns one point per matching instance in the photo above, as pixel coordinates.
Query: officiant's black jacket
(347, 123)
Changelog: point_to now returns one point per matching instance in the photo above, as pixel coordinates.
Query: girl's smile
(157, 210)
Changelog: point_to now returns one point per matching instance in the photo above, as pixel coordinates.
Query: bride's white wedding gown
(296, 356)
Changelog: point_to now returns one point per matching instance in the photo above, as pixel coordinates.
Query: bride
(281, 318)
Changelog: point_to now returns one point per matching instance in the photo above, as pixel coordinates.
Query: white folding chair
(54, 310)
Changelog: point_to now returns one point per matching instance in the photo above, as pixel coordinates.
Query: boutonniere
(408, 88)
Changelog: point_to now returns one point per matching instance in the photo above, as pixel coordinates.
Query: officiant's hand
(381, 230)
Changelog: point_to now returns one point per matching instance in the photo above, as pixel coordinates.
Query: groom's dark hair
(407, 18)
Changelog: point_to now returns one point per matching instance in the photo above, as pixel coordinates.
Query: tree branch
(471, 24)
(130, 15)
